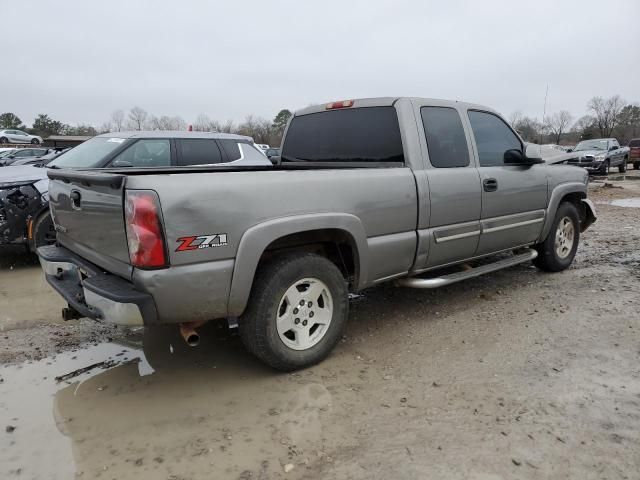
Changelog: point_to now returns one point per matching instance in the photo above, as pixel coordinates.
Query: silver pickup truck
(418, 191)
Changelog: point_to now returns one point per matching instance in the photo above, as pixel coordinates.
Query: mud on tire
(557, 251)
(309, 285)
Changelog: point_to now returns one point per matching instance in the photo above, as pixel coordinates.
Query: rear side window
(634, 143)
(493, 138)
(446, 142)
(351, 135)
(198, 151)
(231, 148)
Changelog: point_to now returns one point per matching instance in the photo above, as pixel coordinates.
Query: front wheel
(557, 251)
(297, 311)
(35, 141)
(604, 170)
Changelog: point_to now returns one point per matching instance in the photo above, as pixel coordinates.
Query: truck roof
(389, 101)
(175, 134)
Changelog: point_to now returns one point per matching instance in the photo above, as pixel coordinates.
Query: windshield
(88, 154)
(5, 153)
(592, 145)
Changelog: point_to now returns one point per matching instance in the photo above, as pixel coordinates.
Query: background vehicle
(52, 154)
(272, 152)
(601, 154)
(24, 207)
(263, 147)
(634, 152)
(367, 191)
(22, 154)
(18, 136)
(6, 151)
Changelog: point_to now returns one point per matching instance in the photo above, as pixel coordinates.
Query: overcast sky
(79, 60)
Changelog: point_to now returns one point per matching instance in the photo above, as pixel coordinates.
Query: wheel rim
(565, 234)
(304, 314)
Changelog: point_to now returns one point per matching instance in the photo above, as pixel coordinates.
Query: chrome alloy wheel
(565, 234)
(304, 314)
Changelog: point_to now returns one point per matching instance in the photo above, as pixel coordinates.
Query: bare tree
(166, 122)
(606, 112)
(558, 124)
(117, 121)
(202, 123)
(223, 127)
(137, 117)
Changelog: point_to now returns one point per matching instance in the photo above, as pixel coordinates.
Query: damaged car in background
(24, 207)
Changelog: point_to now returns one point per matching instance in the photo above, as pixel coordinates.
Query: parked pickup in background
(601, 154)
(634, 153)
(421, 192)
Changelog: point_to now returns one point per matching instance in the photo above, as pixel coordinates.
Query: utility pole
(544, 112)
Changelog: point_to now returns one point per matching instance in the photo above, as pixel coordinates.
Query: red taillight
(341, 104)
(144, 231)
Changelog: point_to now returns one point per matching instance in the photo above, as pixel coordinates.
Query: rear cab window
(446, 142)
(634, 143)
(363, 136)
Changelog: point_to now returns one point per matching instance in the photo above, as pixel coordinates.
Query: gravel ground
(518, 374)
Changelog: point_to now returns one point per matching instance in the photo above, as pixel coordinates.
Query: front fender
(558, 193)
(257, 238)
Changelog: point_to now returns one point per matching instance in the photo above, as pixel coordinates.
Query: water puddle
(620, 178)
(152, 408)
(627, 202)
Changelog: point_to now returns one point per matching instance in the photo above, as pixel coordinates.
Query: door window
(146, 153)
(199, 151)
(493, 138)
(446, 142)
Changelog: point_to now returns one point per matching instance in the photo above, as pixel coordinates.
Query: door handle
(490, 184)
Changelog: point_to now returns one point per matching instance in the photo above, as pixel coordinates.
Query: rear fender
(256, 240)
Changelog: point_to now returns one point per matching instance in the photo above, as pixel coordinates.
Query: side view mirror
(569, 150)
(275, 159)
(614, 147)
(517, 157)
(121, 163)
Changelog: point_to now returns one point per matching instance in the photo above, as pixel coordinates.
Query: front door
(454, 187)
(514, 198)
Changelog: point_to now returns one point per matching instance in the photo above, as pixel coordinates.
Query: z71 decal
(202, 241)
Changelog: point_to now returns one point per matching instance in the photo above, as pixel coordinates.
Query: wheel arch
(312, 232)
(574, 192)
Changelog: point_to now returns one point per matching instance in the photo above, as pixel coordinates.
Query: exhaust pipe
(188, 332)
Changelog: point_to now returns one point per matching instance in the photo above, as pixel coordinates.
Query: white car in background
(10, 135)
(263, 147)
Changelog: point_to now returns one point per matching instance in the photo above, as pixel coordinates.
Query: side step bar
(416, 282)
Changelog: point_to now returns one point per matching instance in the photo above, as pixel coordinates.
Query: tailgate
(88, 214)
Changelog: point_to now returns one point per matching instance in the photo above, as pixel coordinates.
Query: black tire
(43, 231)
(3, 140)
(623, 166)
(605, 168)
(257, 326)
(35, 141)
(636, 165)
(548, 258)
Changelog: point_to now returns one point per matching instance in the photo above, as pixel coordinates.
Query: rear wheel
(44, 232)
(557, 251)
(623, 166)
(35, 141)
(4, 140)
(297, 311)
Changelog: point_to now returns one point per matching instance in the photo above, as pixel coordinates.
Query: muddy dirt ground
(518, 374)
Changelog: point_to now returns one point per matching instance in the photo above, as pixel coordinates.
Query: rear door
(454, 185)
(514, 198)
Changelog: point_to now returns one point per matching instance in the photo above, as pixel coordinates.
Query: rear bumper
(94, 293)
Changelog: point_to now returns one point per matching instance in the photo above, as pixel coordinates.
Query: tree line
(137, 118)
(607, 117)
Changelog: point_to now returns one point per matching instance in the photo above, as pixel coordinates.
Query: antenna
(544, 111)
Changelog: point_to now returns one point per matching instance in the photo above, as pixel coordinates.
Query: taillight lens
(144, 230)
(340, 104)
